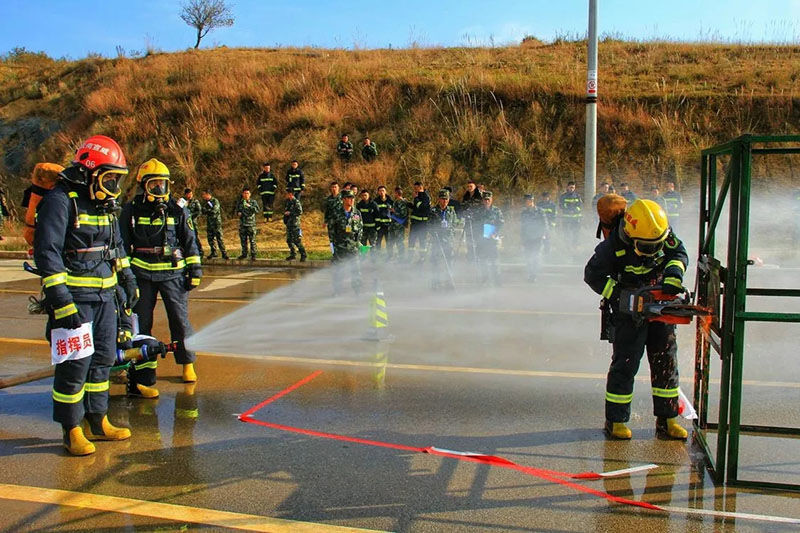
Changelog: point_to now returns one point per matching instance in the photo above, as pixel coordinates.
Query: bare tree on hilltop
(205, 15)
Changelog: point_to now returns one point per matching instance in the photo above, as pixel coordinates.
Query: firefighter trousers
(267, 199)
(630, 342)
(176, 303)
(81, 386)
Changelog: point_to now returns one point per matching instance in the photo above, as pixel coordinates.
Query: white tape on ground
(729, 514)
(626, 471)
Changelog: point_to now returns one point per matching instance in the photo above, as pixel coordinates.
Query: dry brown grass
(511, 117)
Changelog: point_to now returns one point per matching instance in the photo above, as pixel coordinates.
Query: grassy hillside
(511, 117)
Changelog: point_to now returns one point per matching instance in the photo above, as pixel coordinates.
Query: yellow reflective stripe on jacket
(148, 364)
(638, 270)
(146, 221)
(72, 194)
(674, 282)
(195, 282)
(67, 398)
(157, 266)
(676, 263)
(94, 220)
(619, 398)
(91, 282)
(65, 311)
(665, 393)
(55, 279)
(96, 387)
(609, 288)
(619, 253)
(124, 262)
(193, 260)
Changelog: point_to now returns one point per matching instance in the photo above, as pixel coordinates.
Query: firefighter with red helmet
(641, 251)
(160, 238)
(78, 249)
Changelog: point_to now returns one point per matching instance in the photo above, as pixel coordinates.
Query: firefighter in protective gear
(641, 251)
(674, 202)
(534, 233)
(420, 211)
(295, 179)
(78, 249)
(570, 205)
(267, 186)
(160, 238)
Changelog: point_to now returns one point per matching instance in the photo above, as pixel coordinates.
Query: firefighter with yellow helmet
(160, 238)
(641, 251)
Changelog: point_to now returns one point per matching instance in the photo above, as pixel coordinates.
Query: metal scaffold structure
(723, 287)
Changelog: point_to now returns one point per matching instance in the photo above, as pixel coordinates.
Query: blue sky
(76, 28)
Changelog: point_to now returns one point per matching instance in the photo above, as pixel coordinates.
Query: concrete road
(343, 447)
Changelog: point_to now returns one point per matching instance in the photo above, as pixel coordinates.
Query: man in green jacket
(247, 209)
(291, 218)
(212, 210)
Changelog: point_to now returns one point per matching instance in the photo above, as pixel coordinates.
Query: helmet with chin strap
(646, 226)
(153, 177)
(100, 165)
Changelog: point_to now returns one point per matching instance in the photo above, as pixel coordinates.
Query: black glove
(193, 277)
(131, 292)
(71, 321)
(673, 288)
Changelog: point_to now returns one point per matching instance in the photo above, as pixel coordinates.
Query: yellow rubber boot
(143, 391)
(75, 442)
(189, 375)
(669, 428)
(618, 430)
(103, 430)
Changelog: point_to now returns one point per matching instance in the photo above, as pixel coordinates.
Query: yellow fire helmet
(153, 178)
(646, 225)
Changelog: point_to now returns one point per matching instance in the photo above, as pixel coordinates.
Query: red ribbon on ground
(553, 476)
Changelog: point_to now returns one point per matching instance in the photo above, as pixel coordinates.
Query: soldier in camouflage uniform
(345, 149)
(369, 151)
(213, 213)
(398, 212)
(490, 221)
(348, 228)
(247, 209)
(443, 223)
(291, 217)
(333, 202)
(192, 205)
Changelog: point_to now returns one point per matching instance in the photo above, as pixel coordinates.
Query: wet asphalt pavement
(189, 448)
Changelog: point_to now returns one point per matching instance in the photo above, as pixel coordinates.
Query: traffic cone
(378, 318)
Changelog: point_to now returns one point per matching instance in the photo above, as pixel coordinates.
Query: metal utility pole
(590, 155)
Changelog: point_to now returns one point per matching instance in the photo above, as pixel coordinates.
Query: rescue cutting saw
(652, 304)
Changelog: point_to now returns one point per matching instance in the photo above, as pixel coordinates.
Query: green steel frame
(724, 289)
